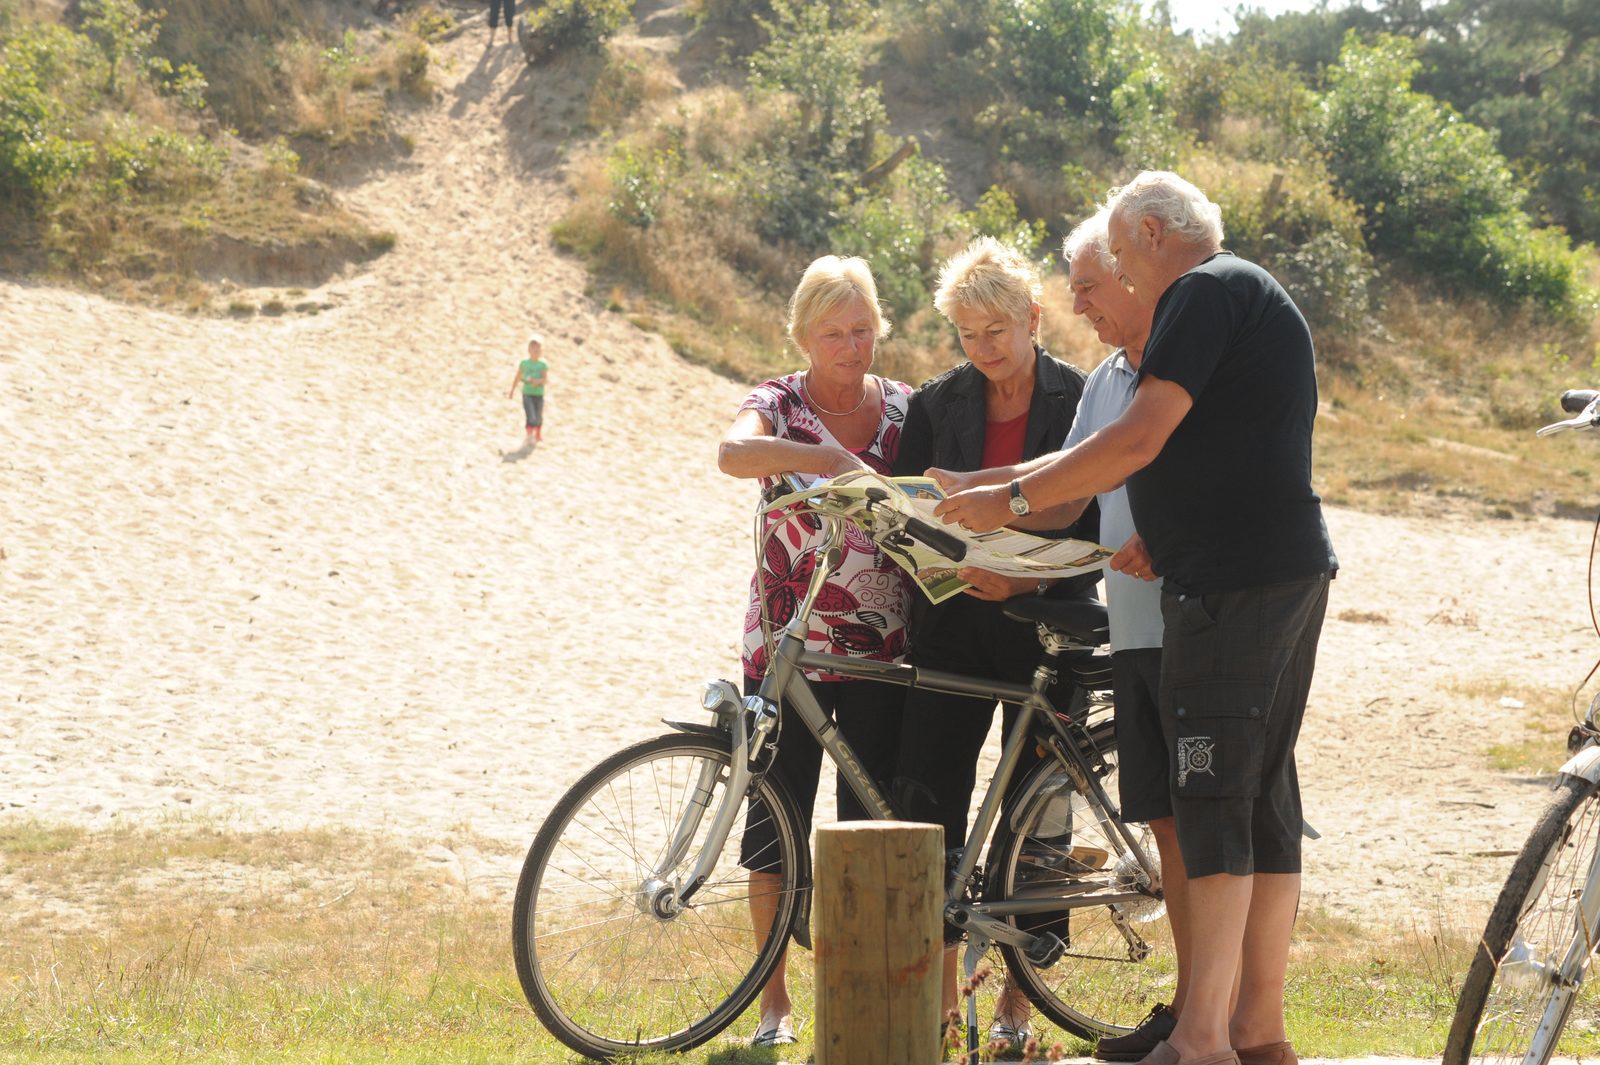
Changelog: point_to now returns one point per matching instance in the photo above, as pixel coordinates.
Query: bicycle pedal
(1046, 950)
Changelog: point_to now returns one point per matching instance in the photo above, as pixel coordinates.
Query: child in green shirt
(532, 373)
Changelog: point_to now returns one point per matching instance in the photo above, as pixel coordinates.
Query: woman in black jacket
(1010, 402)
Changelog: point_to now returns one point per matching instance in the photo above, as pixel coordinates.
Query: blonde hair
(1182, 208)
(990, 275)
(827, 283)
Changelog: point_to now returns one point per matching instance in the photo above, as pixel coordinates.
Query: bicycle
(633, 927)
(1528, 969)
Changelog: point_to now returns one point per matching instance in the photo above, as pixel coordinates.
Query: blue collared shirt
(1135, 605)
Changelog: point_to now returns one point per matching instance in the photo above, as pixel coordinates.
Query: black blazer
(948, 416)
(945, 426)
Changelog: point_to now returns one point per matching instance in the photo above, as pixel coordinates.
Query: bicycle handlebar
(1583, 404)
(925, 532)
(1573, 400)
(947, 545)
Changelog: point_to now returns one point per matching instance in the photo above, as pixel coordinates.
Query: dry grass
(274, 66)
(198, 942)
(1547, 713)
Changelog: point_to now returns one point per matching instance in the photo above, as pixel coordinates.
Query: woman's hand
(951, 481)
(995, 587)
(1133, 558)
(837, 460)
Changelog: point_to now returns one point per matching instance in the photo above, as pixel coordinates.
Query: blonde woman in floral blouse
(833, 416)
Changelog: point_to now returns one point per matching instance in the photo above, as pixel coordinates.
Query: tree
(1435, 190)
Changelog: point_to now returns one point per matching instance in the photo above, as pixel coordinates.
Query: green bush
(1061, 54)
(1437, 194)
(106, 172)
(818, 56)
(42, 71)
(995, 215)
(897, 229)
(577, 25)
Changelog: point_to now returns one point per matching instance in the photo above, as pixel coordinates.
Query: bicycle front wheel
(609, 959)
(1517, 997)
(1119, 958)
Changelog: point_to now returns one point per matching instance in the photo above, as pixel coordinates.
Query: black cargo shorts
(1235, 671)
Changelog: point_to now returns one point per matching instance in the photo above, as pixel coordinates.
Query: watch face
(1019, 505)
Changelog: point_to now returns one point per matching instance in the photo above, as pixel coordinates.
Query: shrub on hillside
(897, 230)
(573, 25)
(1290, 219)
(818, 55)
(1436, 192)
(45, 72)
(285, 67)
(106, 170)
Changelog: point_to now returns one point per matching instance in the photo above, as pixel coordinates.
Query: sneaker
(1005, 1037)
(1156, 1026)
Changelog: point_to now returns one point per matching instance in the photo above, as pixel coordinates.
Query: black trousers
(942, 735)
(494, 13)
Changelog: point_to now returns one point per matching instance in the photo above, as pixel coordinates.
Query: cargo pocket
(1221, 734)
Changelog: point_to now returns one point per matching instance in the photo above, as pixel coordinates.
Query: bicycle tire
(1101, 986)
(605, 974)
(1501, 1006)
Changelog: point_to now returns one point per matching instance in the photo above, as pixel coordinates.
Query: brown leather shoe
(1156, 1026)
(1161, 1054)
(1269, 1054)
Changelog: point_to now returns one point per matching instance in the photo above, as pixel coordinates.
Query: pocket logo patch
(1195, 755)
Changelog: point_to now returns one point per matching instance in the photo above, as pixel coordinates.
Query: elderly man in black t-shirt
(1215, 450)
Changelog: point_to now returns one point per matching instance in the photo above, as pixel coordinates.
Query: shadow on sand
(520, 453)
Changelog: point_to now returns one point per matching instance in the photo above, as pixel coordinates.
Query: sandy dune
(291, 571)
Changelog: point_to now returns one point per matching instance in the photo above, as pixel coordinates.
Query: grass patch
(216, 945)
(1547, 714)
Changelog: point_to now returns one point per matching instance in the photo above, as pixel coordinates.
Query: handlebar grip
(946, 544)
(1573, 400)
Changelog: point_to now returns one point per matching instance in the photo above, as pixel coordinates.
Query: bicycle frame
(785, 683)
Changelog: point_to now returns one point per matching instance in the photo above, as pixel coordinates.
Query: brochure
(1004, 551)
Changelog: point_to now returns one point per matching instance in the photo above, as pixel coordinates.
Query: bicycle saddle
(1083, 620)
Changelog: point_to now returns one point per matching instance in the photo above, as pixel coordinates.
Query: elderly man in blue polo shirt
(1119, 319)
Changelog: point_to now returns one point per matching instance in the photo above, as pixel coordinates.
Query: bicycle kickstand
(977, 947)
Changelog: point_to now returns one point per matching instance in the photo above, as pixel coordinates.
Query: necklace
(820, 409)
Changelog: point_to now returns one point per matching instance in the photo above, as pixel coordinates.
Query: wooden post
(879, 942)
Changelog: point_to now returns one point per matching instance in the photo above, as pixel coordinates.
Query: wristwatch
(1019, 504)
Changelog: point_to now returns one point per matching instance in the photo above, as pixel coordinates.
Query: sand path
(293, 571)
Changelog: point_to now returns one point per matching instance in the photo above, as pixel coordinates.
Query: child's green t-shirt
(532, 368)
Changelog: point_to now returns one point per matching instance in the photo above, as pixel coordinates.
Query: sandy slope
(291, 571)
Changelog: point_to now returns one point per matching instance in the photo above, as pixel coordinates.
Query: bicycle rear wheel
(607, 961)
(1119, 958)
(1513, 1004)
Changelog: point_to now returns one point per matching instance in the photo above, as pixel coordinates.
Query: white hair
(1182, 209)
(1090, 235)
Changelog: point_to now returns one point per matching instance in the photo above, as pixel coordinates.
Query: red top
(1002, 442)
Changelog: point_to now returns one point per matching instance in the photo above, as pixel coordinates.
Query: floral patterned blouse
(862, 610)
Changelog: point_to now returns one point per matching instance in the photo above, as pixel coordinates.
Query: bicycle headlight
(719, 695)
